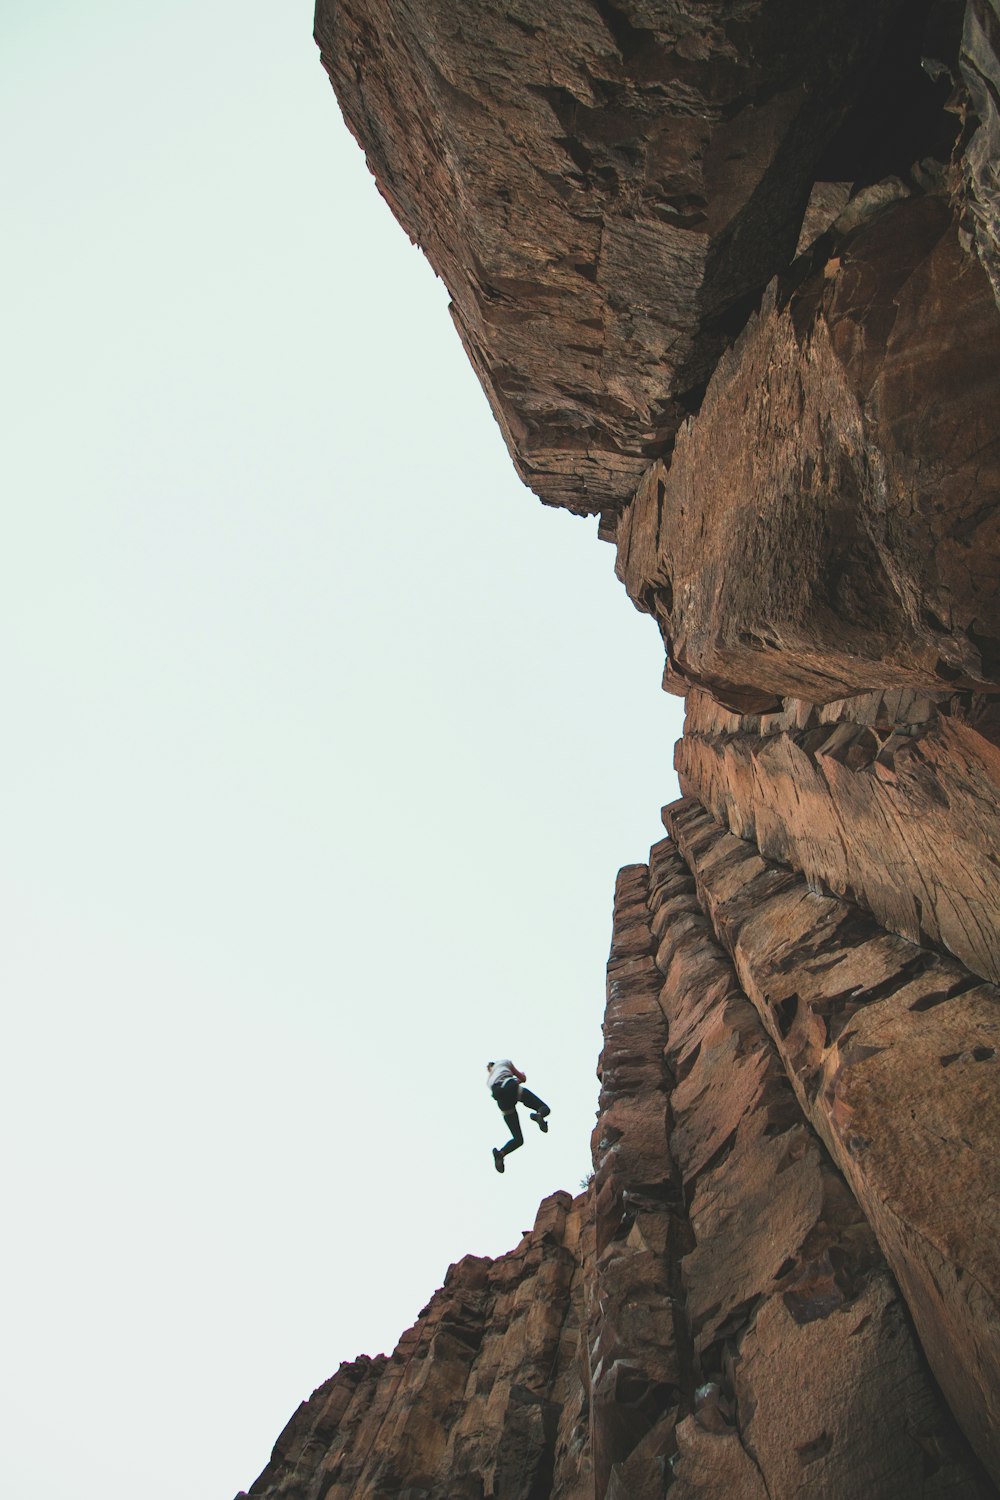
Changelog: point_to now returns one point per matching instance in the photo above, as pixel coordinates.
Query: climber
(506, 1084)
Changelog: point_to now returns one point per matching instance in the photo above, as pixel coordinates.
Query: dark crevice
(785, 1012)
(938, 997)
(900, 115)
(630, 40)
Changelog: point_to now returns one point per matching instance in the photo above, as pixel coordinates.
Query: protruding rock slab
(980, 65)
(889, 799)
(894, 1052)
(484, 1390)
(639, 1363)
(732, 1264)
(601, 187)
(830, 522)
(807, 1379)
(713, 1317)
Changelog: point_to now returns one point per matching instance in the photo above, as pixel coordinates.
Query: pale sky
(324, 741)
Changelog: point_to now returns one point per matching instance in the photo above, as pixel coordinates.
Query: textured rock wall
(889, 799)
(601, 187)
(713, 1317)
(980, 68)
(482, 1396)
(853, 433)
(894, 1054)
(751, 1339)
(729, 275)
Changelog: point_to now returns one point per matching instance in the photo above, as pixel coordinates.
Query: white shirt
(501, 1069)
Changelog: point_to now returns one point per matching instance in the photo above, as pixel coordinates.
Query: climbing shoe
(498, 1159)
(540, 1121)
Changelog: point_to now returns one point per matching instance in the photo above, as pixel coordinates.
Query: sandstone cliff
(729, 274)
(715, 1315)
(483, 1395)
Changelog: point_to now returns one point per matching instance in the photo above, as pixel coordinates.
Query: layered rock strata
(603, 188)
(853, 431)
(889, 799)
(894, 1055)
(714, 1316)
(607, 189)
(729, 275)
(980, 69)
(482, 1396)
(751, 1340)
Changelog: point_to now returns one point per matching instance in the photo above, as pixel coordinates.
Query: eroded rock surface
(778, 1333)
(714, 1316)
(482, 1395)
(729, 275)
(889, 799)
(980, 67)
(894, 1053)
(603, 188)
(853, 433)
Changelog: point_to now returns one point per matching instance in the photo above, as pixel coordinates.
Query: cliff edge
(728, 274)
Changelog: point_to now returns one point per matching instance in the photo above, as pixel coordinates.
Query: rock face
(748, 1329)
(729, 274)
(859, 419)
(889, 799)
(714, 1316)
(601, 187)
(482, 1395)
(893, 1053)
(980, 68)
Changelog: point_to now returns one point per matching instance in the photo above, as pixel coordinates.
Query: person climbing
(506, 1084)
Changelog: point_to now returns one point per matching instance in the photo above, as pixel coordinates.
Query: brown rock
(714, 1463)
(830, 522)
(484, 1390)
(799, 1094)
(714, 1316)
(637, 1368)
(980, 67)
(783, 1273)
(892, 1051)
(723, 1224)
(601, 187)
(890, 800)
(862, 1377)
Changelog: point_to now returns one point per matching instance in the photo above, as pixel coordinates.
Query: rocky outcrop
(894, 1054)
(750, 1339)
(888, 799)
(482, 1395)
(714, 1316)
(640, 1367)
(853, 431)
(980, 69)
(729, 275)
(605, 189)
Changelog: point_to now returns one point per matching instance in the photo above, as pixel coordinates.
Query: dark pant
(508, 1094)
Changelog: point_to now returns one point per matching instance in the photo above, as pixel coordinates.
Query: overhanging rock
(604, 188)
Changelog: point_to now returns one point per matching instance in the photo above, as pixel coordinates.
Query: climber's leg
(539, 1109)
(516, 1136)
